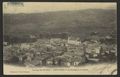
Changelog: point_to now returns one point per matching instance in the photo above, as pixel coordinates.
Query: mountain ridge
(79, 23)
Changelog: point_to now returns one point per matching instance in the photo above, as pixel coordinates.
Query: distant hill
(78, 23)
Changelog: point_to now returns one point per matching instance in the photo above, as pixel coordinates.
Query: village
(59, 52)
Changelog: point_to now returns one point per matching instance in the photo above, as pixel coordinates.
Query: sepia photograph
(60, 38)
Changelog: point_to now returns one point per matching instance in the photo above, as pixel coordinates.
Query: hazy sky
(36, 7)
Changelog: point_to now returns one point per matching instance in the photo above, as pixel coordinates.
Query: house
(76, 63)
(25, 46)
(49, 62)
(58, 41)
(5, 43)
(32, 36)
(74, 40)
(66, 64)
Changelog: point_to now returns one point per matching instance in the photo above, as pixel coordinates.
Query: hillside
(78, 23)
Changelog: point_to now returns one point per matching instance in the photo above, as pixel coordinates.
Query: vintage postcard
(60, 38)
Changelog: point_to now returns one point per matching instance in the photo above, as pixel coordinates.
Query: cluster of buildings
(63, 52)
